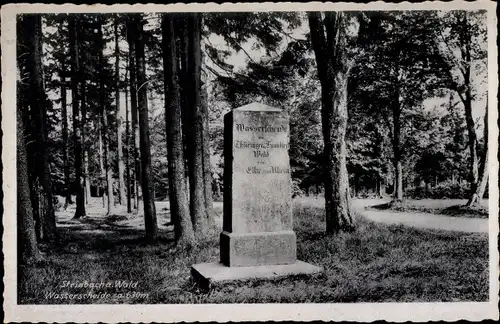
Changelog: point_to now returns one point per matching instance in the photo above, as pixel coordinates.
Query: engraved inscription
(264, 129)
(262, 148)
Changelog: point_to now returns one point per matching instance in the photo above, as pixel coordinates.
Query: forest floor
(375, 263)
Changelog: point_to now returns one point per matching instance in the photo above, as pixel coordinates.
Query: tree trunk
(26, 232)
(179, 210)
(131, 36)
(102, 173)
(35, 199)
(104, 125)
(32, 29)
(27, 243)
(145, 145)
(398, 180)
(333, 70)
(467, 101)
(64, 108)
(181, 30)
(472, 142)
(86, 180)
(478, 193)
(196, 174)
(119, 126)
(218, 190)
(207, 168)
(75, 70)
(110, 202)
(127, 145)
(396, 146)
(381, 188)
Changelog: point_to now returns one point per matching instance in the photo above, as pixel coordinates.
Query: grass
(376, 263)
(447, 207)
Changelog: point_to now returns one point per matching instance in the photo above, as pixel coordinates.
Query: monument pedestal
(257, 239)
(251, 249)
(214, 274)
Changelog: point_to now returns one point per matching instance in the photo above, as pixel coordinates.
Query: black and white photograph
(228, 155)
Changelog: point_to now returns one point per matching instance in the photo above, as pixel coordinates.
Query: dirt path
(421, 220)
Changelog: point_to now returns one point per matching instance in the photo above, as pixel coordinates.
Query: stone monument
(257, 239)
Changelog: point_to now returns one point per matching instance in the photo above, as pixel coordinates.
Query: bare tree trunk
(381, 187)
(333, 70)
(67, 180)
(86, 180)
(398, 180)
(32, 26)
(104, 124)
(179, 210)
(75, 70)
(26, 231)
(197, 191)
(131, 35)
(464, 92)
(478, 193)
(396, 146)
(472, 141)
(145, 145)
(27, 243)
(101, 161)
(119, 126)
(207, 168)
(107, 167)
(467, 101)
(181, 31)
(127, 145)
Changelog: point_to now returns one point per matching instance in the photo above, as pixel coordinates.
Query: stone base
(254, 249)
(210, 274)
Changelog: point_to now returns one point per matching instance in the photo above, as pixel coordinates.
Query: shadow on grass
(383, 206)
(465, 211)
(376, 263)
(400, 206)
(98, 234)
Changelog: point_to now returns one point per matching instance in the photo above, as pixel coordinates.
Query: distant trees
(60, 67)
(395, 74)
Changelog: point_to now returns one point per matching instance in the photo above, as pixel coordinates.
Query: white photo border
(397, 312)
